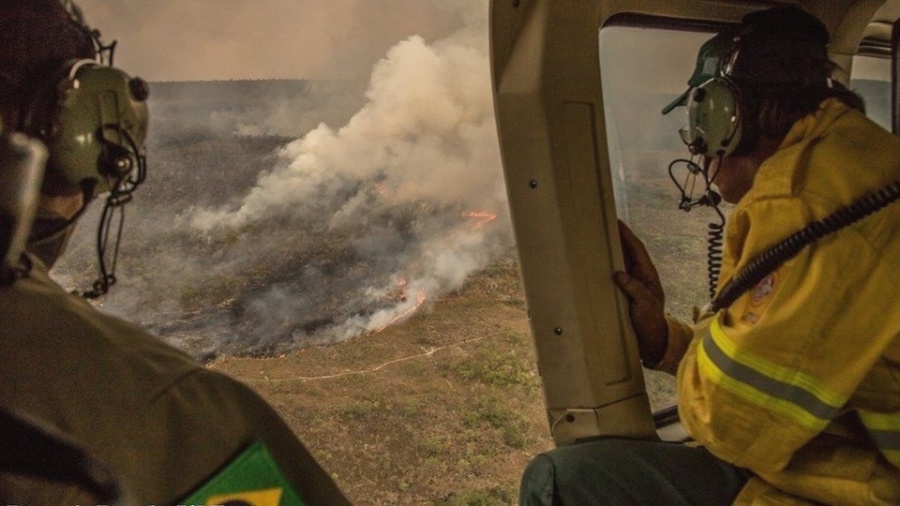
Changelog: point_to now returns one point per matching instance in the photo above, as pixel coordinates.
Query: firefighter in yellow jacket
(167, 430)
(790, 379)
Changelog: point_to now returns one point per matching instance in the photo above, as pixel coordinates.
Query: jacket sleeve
(763, 377)
(200, 422)
(679, 338)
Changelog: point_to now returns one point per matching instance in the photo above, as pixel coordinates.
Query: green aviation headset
(93, 119)
(715, 125)
(720, 124)
(779, 47)
(716, 114)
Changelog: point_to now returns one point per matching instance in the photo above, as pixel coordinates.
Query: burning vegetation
(248, 240)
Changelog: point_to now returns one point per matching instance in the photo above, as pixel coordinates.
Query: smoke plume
(343, 231)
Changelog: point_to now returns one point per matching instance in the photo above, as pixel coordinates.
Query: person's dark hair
(782, 72)
(776, 108)
(36, 36)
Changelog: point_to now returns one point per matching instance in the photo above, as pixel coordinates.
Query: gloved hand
(641, 285)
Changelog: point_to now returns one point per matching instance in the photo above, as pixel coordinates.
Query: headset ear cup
(714, 118)
(93, 119)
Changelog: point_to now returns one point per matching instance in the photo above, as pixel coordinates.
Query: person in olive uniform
(171, 430)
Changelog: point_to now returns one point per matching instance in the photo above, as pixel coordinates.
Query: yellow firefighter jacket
(160, 421)
(799, 379)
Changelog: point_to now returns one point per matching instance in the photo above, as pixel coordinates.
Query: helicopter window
(642, 70)
(871, 78)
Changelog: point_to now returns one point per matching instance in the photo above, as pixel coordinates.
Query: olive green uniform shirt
(159, 420)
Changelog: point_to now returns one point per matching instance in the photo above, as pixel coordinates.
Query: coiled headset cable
(772, 258)
(709, 198)
(715, 239)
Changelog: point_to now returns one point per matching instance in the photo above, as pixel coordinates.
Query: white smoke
(413, 180)
(427, 132)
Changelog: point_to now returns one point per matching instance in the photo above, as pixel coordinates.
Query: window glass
(871, 78)
(642, 71)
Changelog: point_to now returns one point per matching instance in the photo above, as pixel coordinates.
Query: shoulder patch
(760, 296)
(271, 497)
(763, 290)
(250, 479)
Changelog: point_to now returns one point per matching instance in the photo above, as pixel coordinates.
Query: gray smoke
(338, 233)
(425, 140)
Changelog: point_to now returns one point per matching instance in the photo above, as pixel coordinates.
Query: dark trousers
(625, 472)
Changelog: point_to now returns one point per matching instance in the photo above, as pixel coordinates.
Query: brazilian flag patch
(251, 479)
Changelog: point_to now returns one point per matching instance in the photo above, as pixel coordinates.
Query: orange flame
(400, 294)
(481, 218)
(420, 299)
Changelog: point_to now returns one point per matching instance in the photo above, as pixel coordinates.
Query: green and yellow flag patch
(250, 479)
(271, 497)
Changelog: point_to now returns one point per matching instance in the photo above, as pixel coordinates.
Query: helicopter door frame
(553, 144)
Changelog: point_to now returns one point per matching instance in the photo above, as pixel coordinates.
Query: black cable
(715, 240)
(769, 260)
(120, 195)
(690, 180)
(715, 231)
(107, 277)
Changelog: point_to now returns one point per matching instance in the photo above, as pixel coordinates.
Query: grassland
(445, 409)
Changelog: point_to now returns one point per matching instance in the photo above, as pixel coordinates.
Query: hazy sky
(256, 39)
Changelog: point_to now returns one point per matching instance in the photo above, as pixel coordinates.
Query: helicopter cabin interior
(579, 86)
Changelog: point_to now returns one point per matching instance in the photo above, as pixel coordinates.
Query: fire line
(420, 299)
